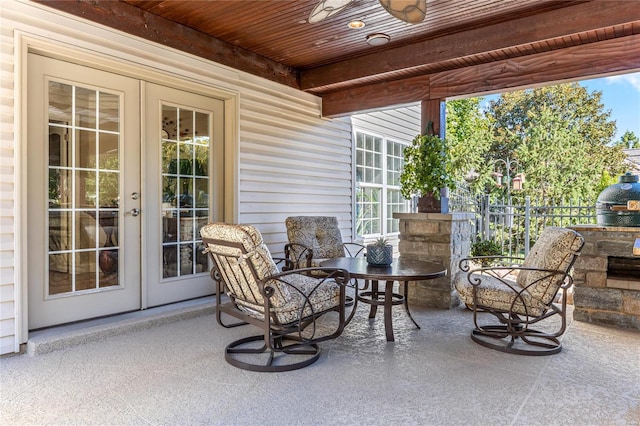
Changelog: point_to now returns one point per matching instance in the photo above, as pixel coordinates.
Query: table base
(387, 299)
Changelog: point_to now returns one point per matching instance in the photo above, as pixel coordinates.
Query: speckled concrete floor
(175, 374)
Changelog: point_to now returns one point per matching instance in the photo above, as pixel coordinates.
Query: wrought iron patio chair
(523, 296)
(314, 239)
(286, 306)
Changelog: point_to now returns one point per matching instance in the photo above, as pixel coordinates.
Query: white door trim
(177, 74)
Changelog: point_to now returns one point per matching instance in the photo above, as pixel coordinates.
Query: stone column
(600, 298)
(435, 237)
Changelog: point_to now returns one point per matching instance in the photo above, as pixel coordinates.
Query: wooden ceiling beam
(375, 96)
(579, 62)
(409, 58)
(132, 20)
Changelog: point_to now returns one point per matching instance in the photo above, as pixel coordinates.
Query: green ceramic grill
(619, 204)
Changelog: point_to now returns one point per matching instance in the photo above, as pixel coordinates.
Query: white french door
(83, 176)
(183, 171)
(121, 176)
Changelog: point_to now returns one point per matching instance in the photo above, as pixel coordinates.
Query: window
(379, 162)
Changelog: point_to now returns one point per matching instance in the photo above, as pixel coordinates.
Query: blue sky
(621, 95)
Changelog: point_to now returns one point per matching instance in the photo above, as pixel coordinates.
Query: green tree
(468, 136)
(628, 140)
(560, 136)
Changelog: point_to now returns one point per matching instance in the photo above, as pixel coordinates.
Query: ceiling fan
(410, 11)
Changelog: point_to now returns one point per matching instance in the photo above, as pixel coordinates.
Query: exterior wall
(401, 124)
(291, 161)
(8, 322)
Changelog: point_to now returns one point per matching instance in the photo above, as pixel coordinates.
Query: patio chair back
(555, 250)
(319, 233)
(243, 260)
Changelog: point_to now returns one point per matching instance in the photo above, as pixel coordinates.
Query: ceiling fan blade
(410, 11)
(327, 8)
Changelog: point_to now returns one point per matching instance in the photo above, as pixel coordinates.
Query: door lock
(135, 195)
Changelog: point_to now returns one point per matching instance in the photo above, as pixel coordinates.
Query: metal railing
(516, 227)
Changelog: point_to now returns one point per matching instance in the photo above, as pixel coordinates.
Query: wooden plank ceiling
(462, 47)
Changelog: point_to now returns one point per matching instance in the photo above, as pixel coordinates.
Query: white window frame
(384, 186)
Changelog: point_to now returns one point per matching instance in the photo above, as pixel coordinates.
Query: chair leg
(289, 354)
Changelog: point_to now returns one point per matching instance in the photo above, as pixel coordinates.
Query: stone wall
(440, 238)
(599, 298)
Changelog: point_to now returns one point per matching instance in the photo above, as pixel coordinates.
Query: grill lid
(619, 204)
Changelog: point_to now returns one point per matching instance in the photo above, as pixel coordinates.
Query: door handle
(134, 212)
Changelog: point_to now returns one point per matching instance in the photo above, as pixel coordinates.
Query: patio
(167, 367)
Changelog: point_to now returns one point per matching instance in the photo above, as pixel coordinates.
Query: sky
(621, 95)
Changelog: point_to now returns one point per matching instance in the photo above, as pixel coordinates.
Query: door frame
(180, 75)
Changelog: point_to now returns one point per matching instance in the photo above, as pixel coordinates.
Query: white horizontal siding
(8, 258)
(291, 161)
(292, 164)
(400, 124)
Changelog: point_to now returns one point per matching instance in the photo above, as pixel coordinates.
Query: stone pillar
(435, 237)
(599, 297)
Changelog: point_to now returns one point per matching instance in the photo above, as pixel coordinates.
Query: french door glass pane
(185, 189)
(84, 188)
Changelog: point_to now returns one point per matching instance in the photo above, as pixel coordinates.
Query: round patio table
(401, 270)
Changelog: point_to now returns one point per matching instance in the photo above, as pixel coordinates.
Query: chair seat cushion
(494, 292)
(322, 295)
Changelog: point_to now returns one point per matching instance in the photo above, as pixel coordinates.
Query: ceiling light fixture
(327, 8)
(410, 11)
(377, 39)
(356, 24)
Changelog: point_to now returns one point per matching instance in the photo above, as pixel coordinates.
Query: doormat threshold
(70, 335)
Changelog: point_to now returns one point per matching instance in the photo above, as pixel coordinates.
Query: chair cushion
(555, 249)
(288, 302)
(320, 298)
(319, 233)
(495, 293)
(236, 270)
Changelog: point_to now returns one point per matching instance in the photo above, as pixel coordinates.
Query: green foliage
(606, 180)
(560, 135)
(468, 139)
(381, 242)
(485, 248)
(427, 167)
(628, 140)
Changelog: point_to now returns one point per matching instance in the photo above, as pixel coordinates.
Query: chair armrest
(319, 276)
(300, 260)
(353, 249)
(465, 263)
(341, 276)
(475, 278)
(311, 300)
(288, 265)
